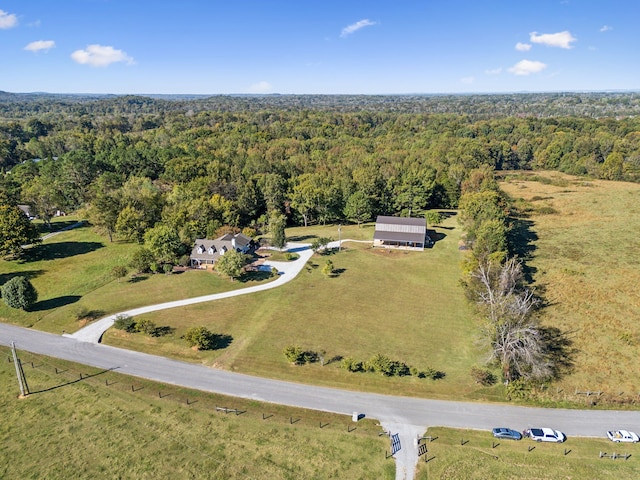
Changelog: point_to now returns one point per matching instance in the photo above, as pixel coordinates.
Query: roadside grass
(406, 305)
(72, 271)
(585, 263)
(477, 459)
(97, 427)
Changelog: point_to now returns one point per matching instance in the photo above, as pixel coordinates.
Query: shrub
(19, 293)
(328, 268)
(298, 356)
(352, 365)
(146, 326)
(185, 261)
(167, 268)
(385, 366)
(200, 338)
(125, 322)
(483, 377)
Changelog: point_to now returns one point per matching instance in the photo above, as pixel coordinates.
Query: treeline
(478, 106)
(525, 351)
(194, 173)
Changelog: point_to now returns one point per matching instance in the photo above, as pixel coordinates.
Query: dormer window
(201, 249)
(212, 250)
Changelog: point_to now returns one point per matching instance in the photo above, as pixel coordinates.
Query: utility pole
(22, 381)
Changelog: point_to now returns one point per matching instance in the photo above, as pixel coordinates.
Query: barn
(401, 232)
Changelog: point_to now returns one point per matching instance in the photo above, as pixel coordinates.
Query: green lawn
(98, 427)
(477, 459)
(406, 305)
(72, 271)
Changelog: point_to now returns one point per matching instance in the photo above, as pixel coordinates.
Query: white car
(545, 435)
(622, 436)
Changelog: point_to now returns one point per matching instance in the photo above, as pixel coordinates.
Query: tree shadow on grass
(54, 303)
(44, 229)
(301, 238)
(163, 331)
(560, 350)
(53, 251)
(222, 341)
(337, 272)
(137, 278)
(255, 275)
(521, 240)
(29, 274)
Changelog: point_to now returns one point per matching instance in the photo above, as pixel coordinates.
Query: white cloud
(606, 28)
(7, 20)
(40, 45)
(495, 71)
(467, 80)
(560, 39)
(527, 67)
(523, 47)
(100, 56)
(354, 27)
(260, 87)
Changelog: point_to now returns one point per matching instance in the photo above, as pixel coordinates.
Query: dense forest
(139, 167)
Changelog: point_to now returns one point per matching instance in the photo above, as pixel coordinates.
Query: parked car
(506, 433)
(545, 435)
(622, 436)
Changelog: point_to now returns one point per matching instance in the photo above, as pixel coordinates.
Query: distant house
(26, 209)
(401, 232)
(206, 252)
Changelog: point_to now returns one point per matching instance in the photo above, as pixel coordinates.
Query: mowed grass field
(72, 271)
(577, 458)
(98, 427)
(585, 262)
(406, 305)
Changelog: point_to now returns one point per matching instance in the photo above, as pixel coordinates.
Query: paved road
(407, 416)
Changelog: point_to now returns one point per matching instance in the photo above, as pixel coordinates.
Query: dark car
(506, 433)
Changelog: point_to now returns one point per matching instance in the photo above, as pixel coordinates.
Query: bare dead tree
(520, 349)
(515, 339)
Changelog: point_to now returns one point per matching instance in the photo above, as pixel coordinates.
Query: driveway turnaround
(402, 415)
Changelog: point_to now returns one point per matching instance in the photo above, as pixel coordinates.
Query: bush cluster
(201, 338)
(483, 377)
(146, 326)
(298, 356)
(387, 367)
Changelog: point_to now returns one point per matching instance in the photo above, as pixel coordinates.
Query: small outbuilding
(401, 232)
(206, 252)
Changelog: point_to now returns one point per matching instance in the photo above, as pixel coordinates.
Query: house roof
(207, 249)
(400, 229)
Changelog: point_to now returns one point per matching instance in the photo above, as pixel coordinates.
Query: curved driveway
(287, 272)
(403, 415)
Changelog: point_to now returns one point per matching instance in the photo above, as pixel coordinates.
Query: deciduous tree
(16, 231)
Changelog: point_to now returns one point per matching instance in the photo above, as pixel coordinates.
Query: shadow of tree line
(558, 345)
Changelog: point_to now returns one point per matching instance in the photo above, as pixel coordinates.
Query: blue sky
(321, 47)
